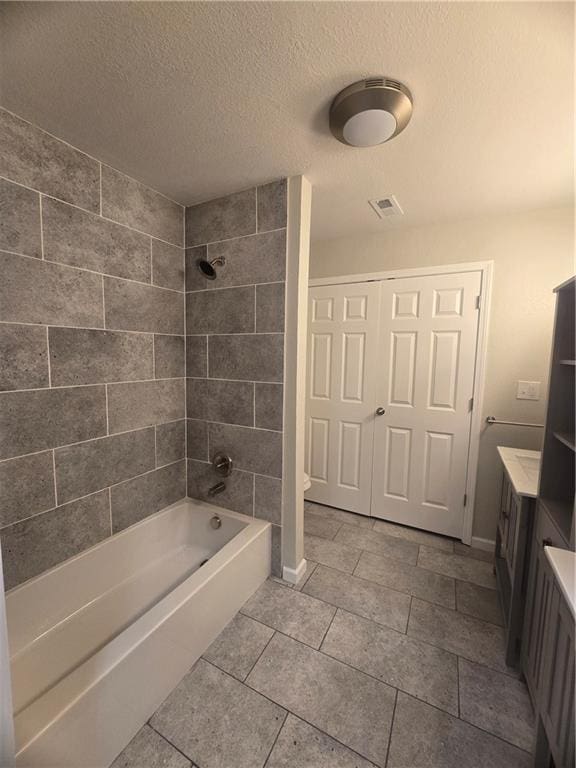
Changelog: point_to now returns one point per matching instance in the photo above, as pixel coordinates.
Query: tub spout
(216, 489)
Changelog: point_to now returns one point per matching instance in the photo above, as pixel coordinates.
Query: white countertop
(523, 468)
(563, 563)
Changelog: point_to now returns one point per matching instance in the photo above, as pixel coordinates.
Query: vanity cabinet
(554, 702)
(513, 540)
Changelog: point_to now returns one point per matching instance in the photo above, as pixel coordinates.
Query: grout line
(286, 713)
(165, 738)
(41, 227)
(239, 426)
(49, 364)
(231, 287)
(327, 628)
(89, 328)
(100, 188)
(237, 237)
(242, 381)
(391, 728)
(55, 484)
(101, 384)
(51, 509)
(255, 311)
(110, 508)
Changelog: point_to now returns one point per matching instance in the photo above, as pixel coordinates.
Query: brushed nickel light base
(370, 112)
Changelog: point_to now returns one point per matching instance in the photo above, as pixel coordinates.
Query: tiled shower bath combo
(112, 343)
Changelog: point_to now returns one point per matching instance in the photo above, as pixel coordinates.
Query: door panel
(428, 334)
(340, 405)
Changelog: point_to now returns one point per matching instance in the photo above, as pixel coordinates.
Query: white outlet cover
(528, 390)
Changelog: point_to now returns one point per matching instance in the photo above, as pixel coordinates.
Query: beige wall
(532, 252)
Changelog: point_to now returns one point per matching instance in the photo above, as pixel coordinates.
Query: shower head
(207, 268)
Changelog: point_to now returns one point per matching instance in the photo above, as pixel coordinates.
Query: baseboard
(293, 575)
(485, 544)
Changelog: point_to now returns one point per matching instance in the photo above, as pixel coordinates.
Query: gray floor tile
(149, 750)
(290, 612)
(383, 605)
(378, 543)
(315, 525)
(407, 578)
(217, 721)
(425, 737)
(473, 552)
(238, 647)
(331, 553)
(415, 535)
(339, 515)
(426, 672)
(457, 566)
(346, 704)
(463, 635)
(496, 703)
(300, 745)
(481, 602)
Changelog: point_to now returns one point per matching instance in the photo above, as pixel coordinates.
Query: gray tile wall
(235, 350)
(92, 353)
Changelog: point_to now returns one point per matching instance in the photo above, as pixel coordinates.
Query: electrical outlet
(528, 390)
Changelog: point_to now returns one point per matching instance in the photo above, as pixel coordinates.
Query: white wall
(532, 252)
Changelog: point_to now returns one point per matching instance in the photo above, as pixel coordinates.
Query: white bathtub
(98, 642)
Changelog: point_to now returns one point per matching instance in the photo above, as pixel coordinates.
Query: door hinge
(478, 301)
(471, 404)
(465, 499)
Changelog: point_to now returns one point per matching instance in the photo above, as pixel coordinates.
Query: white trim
(293, 575)
(486, 545)
(486, 269)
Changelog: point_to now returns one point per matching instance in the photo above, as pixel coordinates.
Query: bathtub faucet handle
(222, 464)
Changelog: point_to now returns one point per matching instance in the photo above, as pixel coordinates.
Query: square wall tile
(23, 357)
(272, 205)
(238, 495)
(27, 485)
(87, 467)
(140, 497)
(269, 399)
(250, 357)
(128, 202)
(32, 157)
(221, 219)
(19, 220)
(134, 307)
(270, 308)
(41, 542)
(35, 291)
(79, 356)
(249, 260)
(45, 418)
(169, 360)
(170, 442)
(167, 265)
(142, 404)
(230, 402)
(196, 356)
(228, 310)
(81, 239)
(254, 450)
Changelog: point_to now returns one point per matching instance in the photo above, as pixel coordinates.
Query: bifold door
(342, 345)
(389, 427)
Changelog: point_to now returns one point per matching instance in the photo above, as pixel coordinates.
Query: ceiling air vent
(386, 207)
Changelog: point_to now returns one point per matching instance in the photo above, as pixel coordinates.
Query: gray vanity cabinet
(555, 683)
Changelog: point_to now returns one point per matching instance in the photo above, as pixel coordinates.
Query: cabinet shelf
(561, 512)
(566, 439)
(567, 362)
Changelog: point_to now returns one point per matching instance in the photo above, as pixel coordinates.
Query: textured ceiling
(201, 99)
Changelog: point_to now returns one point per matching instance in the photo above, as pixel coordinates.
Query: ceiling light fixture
(370, 112)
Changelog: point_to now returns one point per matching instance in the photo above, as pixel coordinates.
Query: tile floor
(389, 653)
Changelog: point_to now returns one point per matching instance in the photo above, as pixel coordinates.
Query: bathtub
(98, 642)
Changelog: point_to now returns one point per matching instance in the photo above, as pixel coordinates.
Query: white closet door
(425, 372)
(343, 327)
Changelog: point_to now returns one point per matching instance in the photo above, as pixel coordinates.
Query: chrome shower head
(207, 268)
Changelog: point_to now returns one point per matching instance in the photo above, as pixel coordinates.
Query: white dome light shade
(368, 128)
(370, 112)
